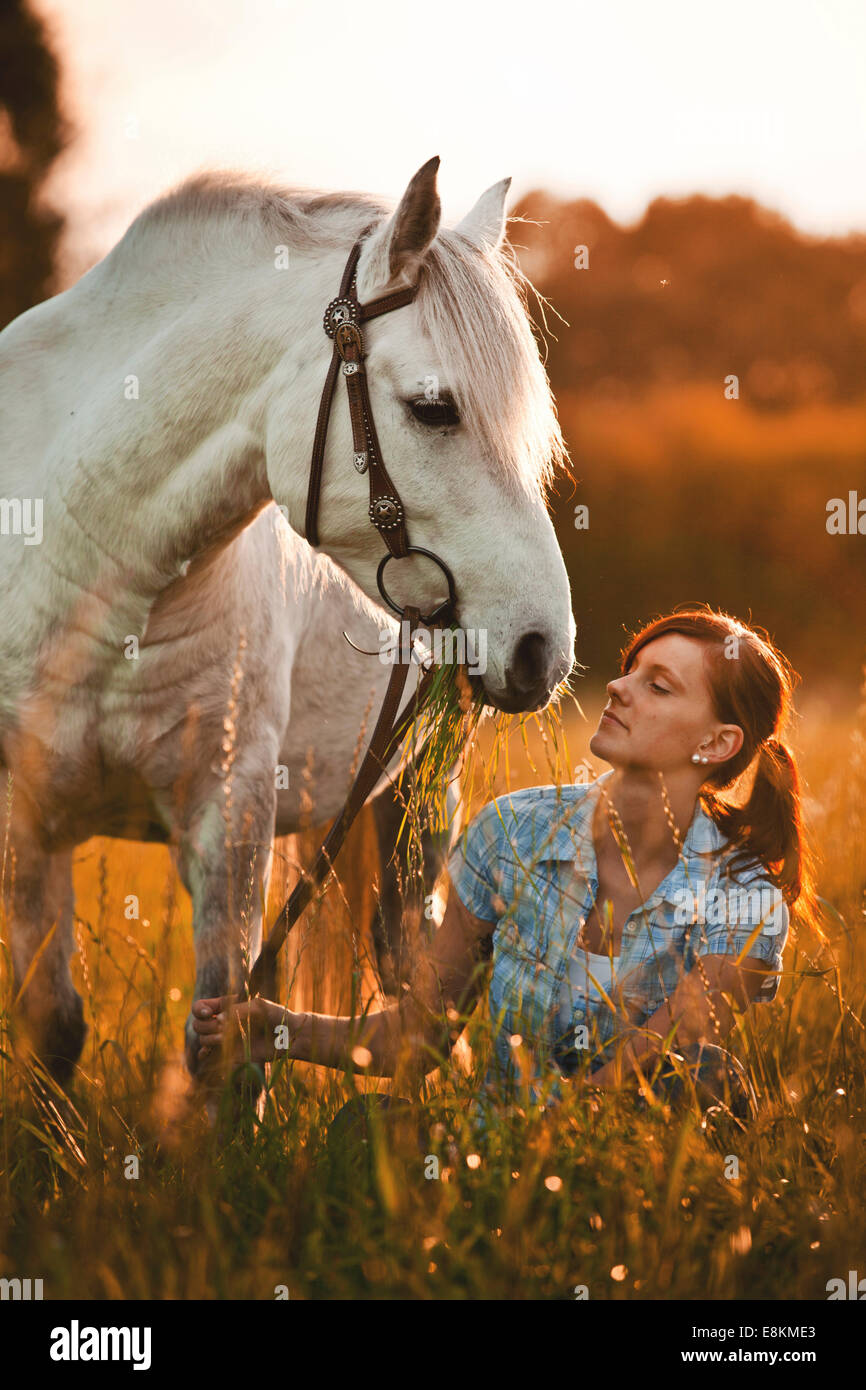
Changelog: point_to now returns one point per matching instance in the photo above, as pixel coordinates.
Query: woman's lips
(609, 714)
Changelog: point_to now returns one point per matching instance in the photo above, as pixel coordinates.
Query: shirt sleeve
(746, 914)
(473, 865)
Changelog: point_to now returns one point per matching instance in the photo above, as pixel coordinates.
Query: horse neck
(167, 456)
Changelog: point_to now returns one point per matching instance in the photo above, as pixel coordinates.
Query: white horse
(148, 414)
(258, 622)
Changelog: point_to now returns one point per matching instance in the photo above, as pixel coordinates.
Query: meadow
(603, 1197)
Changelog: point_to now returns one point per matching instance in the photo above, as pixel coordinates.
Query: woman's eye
(434, 412)
(654, 685)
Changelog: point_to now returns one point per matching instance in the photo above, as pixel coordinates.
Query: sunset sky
(618, 102)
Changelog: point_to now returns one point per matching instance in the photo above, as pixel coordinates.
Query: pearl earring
(696, 757)
(705, 760)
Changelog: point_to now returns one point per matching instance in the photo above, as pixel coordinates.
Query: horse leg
(404, 911)
(227, 883)
(39, 905)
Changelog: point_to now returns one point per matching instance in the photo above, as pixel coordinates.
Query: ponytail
(768, 829)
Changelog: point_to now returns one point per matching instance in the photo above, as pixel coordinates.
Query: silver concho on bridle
(339, 311)
(386, 512)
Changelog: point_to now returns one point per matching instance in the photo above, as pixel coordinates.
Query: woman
(625, 914)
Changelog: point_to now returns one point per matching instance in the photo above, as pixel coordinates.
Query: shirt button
(630, 926)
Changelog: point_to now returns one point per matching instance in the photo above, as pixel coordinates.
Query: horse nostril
(530, 663)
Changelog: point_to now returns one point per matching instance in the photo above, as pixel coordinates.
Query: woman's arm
(697, 1007)
(447, 981)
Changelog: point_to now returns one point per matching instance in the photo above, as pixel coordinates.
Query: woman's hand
(249, 1029)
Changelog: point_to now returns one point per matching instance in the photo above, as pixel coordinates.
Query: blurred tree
(33, 132)
(697, 289)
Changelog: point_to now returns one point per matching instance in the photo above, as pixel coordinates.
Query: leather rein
(343, 322)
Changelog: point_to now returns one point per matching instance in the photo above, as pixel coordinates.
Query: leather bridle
(343, 322)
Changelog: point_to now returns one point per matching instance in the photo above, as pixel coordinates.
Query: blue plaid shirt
(527, 865)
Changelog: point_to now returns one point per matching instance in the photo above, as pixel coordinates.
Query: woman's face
(661, 711)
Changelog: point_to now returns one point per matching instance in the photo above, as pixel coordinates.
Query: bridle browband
(342, 323)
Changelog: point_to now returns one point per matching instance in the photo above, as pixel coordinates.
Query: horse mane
(473, 304)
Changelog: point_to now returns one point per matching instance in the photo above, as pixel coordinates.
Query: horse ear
(485, 224)
(395, 250)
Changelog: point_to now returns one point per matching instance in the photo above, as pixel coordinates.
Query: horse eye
(441, 411)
